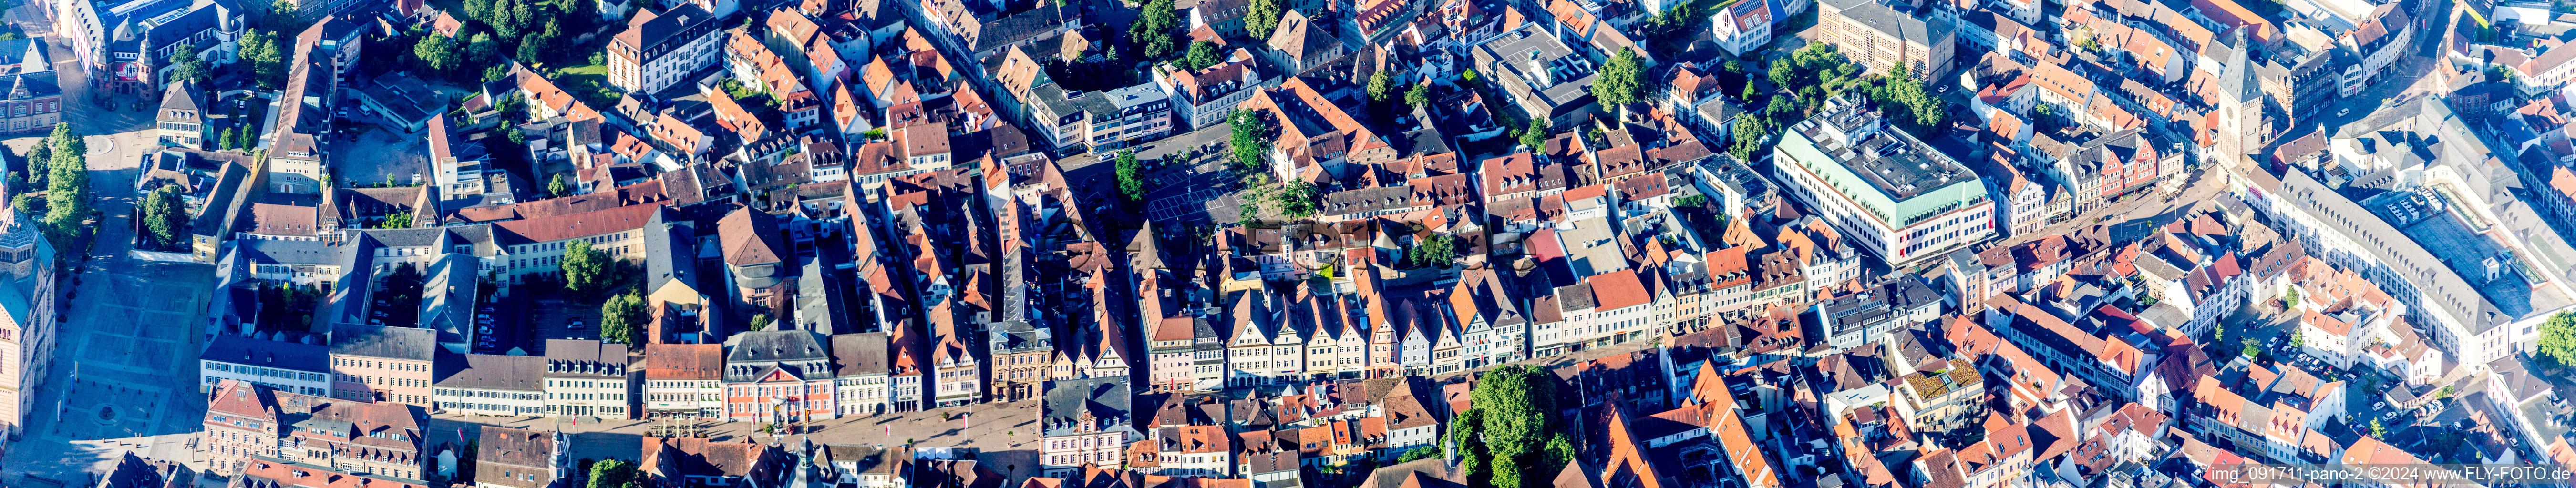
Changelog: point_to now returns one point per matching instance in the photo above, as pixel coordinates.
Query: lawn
(590, 83)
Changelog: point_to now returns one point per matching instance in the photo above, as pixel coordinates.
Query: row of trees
(67, 198)
(1809, 77)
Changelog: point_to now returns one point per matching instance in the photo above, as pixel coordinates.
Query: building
(1882, 38)
(1205, 97)
(291, 367)
(862, 374)
(34, 102)
(492, 384)
(1541, 74)
(123, 49)
(182, 120)
(1880, 187)
(516, 458)
(1085, 422)
(2480, 296)
(383, 439)
(382, 364)
(1744, 26)
(684, 380)
(245, 420)
(778, 376)
(27, 324)
(696, 462)
(1851, 320)
(659, 50)
(588, 378)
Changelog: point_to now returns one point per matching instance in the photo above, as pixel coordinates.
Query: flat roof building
(1889, 192)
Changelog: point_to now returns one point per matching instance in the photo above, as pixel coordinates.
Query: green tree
(1262, 17)
(584, 269)
(482, 50)
(436, 54)
(1417, 454)
(163, 217)
(397, 220)
(2558, 339)
(1420, 95)
(1535, 137)
(1507, 473)
(1251, 142)
(1381, 86)
(38, 161)
(614, 473)
(28, 204)
(2376, 431)
(1518, 400)
(759, 322)
(622, 317)
(2290, 299)
(1438, 250)
(1202, 55)
(1155, 28)
(185, 65)
(1471, 462)
(1131, 178)
(1622, 80)
(225, 141)
(1750, 131)
(67, 189)
(1905, 98)
(537, 46)
(557, 187)
(267, 61)
(1559, 450)
(1298, 199)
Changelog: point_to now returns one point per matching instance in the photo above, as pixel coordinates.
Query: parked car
(577, 324)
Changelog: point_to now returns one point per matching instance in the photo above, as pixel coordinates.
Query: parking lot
(555, 318)
(367, 158)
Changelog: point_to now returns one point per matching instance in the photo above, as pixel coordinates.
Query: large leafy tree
(614, 473)
(621, 318)
(1536, 135)
(266, 59)
(1131, 178)
(437, 54)
(1749, 133)
(585, 269)
(1623, 79)
(1438, 250)
(1262, 17)
(1381, 86)
(1202, 55)
(1155, 30)
(2558, 339)
(1511, 411)
(186, 65)
(1298, 199)
(164, 217)
(1251, 142)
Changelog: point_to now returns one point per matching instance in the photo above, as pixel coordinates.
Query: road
(130, 325)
